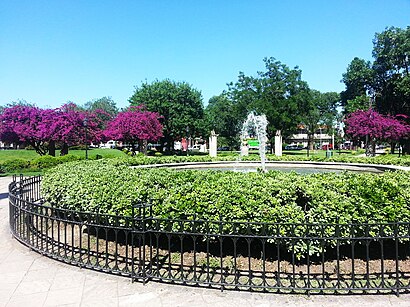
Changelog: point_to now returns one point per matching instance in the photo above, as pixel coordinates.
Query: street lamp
(187, 142)
(85, 123)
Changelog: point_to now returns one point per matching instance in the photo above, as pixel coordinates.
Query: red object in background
(184, 145)
(326, 147)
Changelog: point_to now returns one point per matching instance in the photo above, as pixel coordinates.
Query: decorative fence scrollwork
(285, 258)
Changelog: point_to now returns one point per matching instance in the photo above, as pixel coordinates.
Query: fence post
(396, 241)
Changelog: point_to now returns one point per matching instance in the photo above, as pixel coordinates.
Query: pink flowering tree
(44, 128)
(22, 124)
(70, 124)
(374, 126)
(135, 126)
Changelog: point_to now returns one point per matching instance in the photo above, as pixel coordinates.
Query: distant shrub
(16, 164)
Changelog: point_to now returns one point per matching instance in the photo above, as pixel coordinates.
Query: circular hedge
(274, 197)
(106, 187)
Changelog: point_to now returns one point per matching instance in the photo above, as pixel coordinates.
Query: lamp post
(85, 123)
(187, 142)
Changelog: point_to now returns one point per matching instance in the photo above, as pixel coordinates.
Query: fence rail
(287, 258)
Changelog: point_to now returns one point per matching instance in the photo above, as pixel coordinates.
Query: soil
(209, 261)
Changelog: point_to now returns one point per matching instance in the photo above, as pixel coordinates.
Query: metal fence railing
(278, 257)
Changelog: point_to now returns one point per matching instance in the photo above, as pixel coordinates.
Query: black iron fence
(278, 257)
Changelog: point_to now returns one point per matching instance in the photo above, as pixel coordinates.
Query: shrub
(44, 162)
(275, 197)
(13, 165)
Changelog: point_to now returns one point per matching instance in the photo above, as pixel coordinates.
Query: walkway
(29, 279)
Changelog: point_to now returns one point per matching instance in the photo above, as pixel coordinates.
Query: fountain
(255, 125)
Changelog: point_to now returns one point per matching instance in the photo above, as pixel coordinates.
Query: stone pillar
(244, 149)
(278, 143)
(213, 144)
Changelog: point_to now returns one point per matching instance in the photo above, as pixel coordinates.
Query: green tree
(386, 81)
(279, 93)
(321, 111)
(220, 116)
(358, 79)
(391, 52)
(105, 104)
(179, 104)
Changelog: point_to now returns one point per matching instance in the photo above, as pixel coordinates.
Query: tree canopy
(361, 124)
(358, 80)
(105, 104)
(178, 103)
(43, 128)
(320, 110)
(384, 84)
(220, 115)
(279, 93)
(134, 125)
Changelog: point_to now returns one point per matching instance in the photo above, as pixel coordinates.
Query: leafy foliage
(358, 80)
(275, 197)
(391, 53)
(386, 80)
(370, 123)
(135, 124)
(178, 103)
(220, 114)
(42, 128)
(320, 111)
(279, 93)
(105, 103)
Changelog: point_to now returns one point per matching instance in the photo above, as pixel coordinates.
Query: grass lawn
(12, 154)
(303, 152)
(320, 153)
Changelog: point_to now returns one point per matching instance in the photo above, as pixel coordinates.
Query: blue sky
(52, 52)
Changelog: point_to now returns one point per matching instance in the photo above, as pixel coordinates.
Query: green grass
(320, 153)
(31, 154)
(303, 152)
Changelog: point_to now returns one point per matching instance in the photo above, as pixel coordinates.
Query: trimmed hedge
(112, 187)
(45, 162)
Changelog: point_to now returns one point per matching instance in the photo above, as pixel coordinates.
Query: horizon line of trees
(279, 92)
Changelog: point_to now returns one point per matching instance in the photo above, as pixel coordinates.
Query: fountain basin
(302, 167)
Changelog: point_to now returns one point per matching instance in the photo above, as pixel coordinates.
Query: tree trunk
(371, 148)
(133, 149)
(170, 143)
(406, 147)
(310, 141)
(64, 149)
(392, 147)
(142, 146)
(52, 148)
(39, 148)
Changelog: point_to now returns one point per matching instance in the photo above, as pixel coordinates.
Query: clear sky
(56, 51)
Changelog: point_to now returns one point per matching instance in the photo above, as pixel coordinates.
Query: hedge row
(35, 165)
(389, 160)
(274, 197)
(45, 162)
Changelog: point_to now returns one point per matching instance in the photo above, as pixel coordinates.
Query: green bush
(45, 162)
(275, 197)
(13, 165)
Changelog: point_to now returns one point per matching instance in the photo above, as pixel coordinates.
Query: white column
(213, 144)
(278, 143)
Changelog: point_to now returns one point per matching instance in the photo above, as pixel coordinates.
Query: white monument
(278, 143)
(213, 144)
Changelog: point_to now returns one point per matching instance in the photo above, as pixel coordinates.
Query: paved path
(29, 279)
